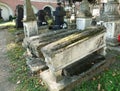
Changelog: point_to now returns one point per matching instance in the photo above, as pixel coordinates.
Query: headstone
(31, 29)
(41, 18)
(19, 16)
(112, 32)
(112, 22)
(30, 22)
(111, 11)
(84, 18)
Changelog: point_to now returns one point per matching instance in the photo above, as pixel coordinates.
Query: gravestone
(30, 22)
(41, 18)
(30, 29)
(111, 10)
(84, 17)
(19, 16)
(112, 22)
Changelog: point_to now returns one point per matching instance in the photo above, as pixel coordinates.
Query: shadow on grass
(20, 72)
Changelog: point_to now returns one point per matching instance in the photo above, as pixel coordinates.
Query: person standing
(59, 14)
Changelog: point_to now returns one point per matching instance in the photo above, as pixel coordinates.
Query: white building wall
(6, 11)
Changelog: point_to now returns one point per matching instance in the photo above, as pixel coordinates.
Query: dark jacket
(59, 15)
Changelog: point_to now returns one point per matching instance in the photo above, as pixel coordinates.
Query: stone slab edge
(68, 85)
(36, 65)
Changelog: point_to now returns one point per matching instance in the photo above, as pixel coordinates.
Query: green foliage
(12, 29)
(6, 24)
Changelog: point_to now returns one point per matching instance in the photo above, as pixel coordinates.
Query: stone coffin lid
(28, 40)
(68, 41)
(47, 38)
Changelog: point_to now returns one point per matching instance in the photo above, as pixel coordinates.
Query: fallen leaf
(93, 78)
(110, 81)
(103, 90)
(18, 82)
(99, 86)
(113, 74)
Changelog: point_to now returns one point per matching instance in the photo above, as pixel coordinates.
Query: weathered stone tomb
(68, 56)
(64, 57)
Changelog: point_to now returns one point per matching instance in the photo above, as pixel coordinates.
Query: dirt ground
(5, 85)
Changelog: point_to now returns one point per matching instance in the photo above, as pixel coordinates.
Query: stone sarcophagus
(35, 58)
(68, 57)
(67, 50)
(35, 43)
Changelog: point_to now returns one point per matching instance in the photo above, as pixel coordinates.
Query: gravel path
(5, 85)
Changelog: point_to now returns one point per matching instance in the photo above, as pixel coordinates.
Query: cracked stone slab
(36, 64)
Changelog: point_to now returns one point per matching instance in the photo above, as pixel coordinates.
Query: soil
(5, 85)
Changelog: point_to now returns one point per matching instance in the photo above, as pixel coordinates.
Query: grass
(106, 81)
(4, 24)
(20, 72)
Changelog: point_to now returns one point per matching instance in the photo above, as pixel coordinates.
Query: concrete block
(36, 64)
(83, 23)
(30, 28)
(113, 29)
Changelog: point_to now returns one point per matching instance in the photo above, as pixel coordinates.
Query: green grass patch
(7, 24)
(107, 81)
(20, 72)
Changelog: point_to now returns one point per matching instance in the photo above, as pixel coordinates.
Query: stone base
(35, 64)
(113, 50)
(112, 42)
(113, 29)
(30, 28)
(83, 23)
(117, 48)
(68, 83)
